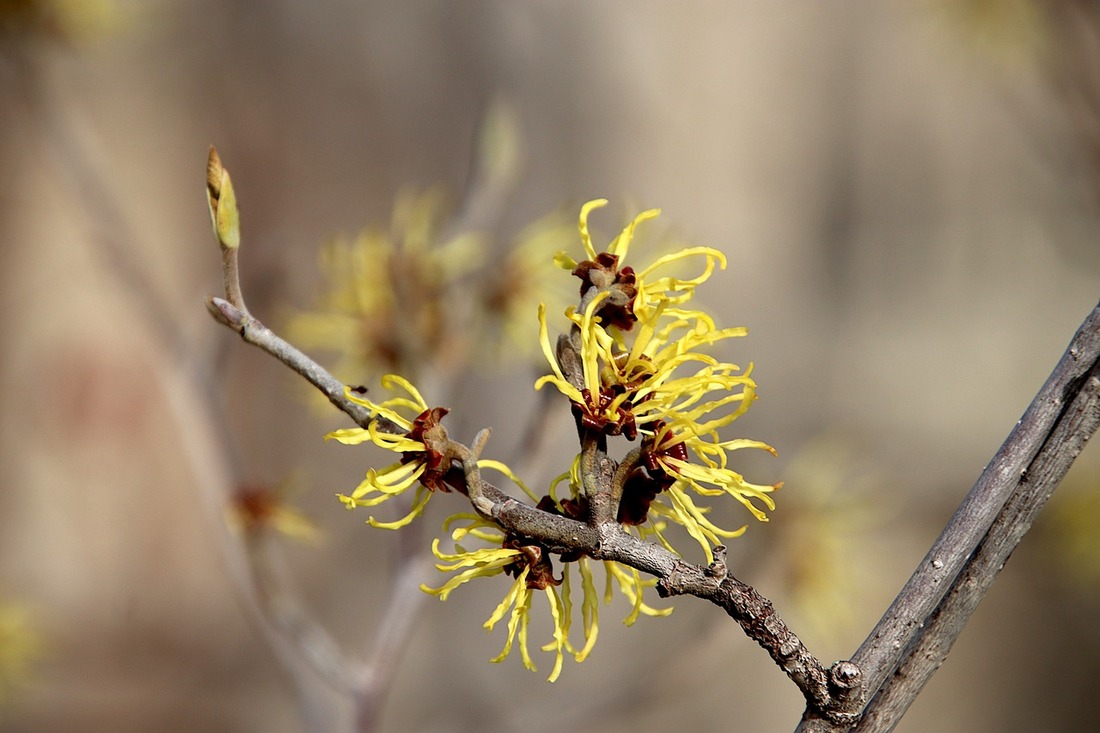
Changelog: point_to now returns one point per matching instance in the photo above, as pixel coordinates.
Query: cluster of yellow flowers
(394, 297)
(639, 373)
(643, 374)
(387, 302)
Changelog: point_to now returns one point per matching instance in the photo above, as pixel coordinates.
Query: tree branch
(303, 636)
(830, 693)
(913, 637)
(928, 651)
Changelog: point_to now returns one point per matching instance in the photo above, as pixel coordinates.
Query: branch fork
(944, 589)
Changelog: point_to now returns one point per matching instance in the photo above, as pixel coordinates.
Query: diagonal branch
(253, 332)
(930, 648)
(915, 634)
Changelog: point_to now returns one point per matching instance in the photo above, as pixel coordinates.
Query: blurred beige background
(908, 201)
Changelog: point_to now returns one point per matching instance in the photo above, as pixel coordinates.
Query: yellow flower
(618, 246)
(619, 298)
(405, 424)
(649, 373)
(604, 272)
(421, 465)
(387, 306)
(255, 507)
(529, 563)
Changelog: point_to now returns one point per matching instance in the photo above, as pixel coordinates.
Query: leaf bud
(223, 202)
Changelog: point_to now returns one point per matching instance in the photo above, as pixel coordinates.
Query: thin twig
(398, 622)
(257, 334)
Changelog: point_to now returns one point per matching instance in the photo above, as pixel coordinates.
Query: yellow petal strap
(564, 261)
(349, 436)
(422, 496)
(590, 610)
(582, 225)
(498, 466)
(621, 243)
(560, 632)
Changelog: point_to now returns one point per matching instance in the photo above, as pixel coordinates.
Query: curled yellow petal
(621, 243)
(564, 261)
(503, 468)
(582, 225)
(422, 496)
